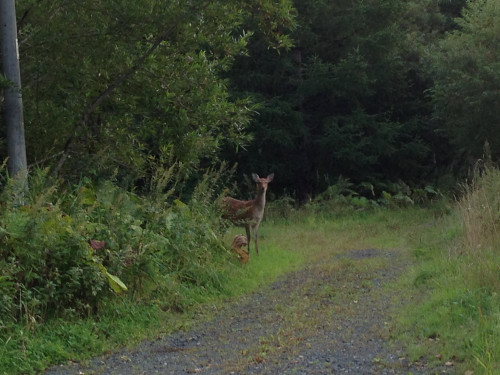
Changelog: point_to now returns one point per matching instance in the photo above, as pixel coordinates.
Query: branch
(115, 84)
(30, 166)
(106, 93)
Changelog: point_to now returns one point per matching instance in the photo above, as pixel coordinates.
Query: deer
(248, 214)
(238, 242)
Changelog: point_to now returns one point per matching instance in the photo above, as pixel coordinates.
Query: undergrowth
(86, 269)
(457, 319)
(71, 254)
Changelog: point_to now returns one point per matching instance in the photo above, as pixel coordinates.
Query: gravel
(328, 318)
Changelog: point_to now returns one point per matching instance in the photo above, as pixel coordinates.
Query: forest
(139, 116)
(388, 95)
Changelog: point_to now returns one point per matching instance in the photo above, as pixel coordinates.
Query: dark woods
(383, 94)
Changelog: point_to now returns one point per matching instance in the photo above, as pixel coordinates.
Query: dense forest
(140, 115)
(383, 93)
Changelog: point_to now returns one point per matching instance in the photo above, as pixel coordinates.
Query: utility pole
(13, 103)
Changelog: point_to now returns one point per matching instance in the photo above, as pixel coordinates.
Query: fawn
(238, 242)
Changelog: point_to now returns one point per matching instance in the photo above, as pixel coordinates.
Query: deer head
(262, 182)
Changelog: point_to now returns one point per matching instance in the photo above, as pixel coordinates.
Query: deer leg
(247, 227)
(255, 231)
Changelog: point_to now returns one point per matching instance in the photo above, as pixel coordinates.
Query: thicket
(71, 249)
(108, 86)
(378, 93)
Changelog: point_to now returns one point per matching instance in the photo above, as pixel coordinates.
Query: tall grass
(480, 213)
(480, 266)
(458, 278)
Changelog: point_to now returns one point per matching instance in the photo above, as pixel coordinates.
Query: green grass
(449, 318)
(452, 319)
(456, 281)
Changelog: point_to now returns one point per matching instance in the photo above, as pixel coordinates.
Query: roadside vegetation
(101, 267)
(456, 315)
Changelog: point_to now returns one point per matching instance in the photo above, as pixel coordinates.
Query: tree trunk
(13, 110)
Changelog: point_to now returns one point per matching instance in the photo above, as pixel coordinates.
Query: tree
(110, 86)
(467, 76)
(347, 100)
(13, 107)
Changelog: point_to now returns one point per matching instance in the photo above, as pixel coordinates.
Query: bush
(281, 209)
(46, 265)
(68, 251)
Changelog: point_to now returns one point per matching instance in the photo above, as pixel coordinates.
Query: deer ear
(255, 177)
(270, 177)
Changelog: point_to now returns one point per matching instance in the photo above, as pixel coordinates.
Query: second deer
(249, 214)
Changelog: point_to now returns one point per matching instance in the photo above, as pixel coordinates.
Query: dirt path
(332, 317)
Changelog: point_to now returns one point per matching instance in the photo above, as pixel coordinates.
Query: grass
(456, 316)
(457, 277)
(322, 240)
(285, 246)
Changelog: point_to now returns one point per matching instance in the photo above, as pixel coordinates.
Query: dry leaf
(97, 245)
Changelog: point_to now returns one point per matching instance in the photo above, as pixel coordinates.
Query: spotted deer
(248, 214)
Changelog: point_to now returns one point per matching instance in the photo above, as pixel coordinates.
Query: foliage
(302, 238)
(47, 265)
(185, 283)
(337, 88)
(480, 213)
(148, 98)
(467, 76)
(109, 84)
(67, 251)
(458, 278)
(347, 100)
(283, 208)
(345, 195)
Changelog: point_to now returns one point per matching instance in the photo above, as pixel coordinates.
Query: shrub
(281, 209)
(68, 251)
(47, 265)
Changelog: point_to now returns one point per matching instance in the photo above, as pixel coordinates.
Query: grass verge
(455, 319)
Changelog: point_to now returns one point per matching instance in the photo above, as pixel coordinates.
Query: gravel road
(332, 317)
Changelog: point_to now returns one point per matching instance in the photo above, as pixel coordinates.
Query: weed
(70, 253)
(458, 274)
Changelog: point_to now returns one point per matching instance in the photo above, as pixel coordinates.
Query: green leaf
(87, 196)
(114, 281)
